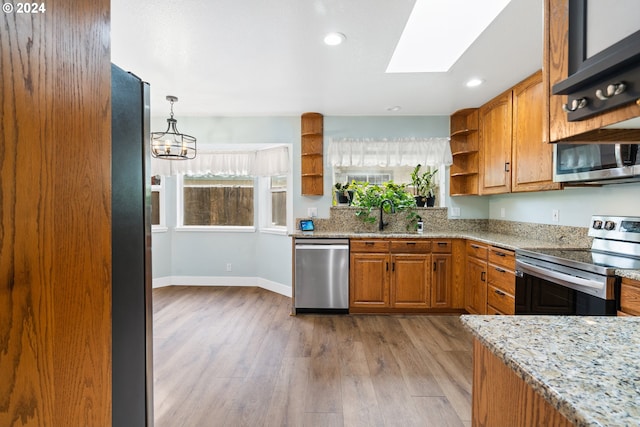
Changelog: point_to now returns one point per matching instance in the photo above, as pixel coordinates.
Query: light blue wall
(575, 204)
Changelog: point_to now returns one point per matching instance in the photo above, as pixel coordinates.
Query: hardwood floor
(232, 356)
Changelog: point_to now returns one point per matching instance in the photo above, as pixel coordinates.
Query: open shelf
(464, 142)
(311, 144)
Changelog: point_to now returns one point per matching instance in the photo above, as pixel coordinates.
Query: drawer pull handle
(500, 254)
(482, 276)
(499, 270)
(369, 243)
(475, 246)
(442, 243)
(411, 243)
(499, 292)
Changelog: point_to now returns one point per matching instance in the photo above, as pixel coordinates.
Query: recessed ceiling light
(334, 39)
(394, 108)
(438, 32)
(474, 82)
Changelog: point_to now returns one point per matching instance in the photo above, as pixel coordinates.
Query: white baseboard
(222, 281)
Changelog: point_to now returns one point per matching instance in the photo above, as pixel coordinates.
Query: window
(157, 204)
(217, 201)
(398, 174)
(278, 192)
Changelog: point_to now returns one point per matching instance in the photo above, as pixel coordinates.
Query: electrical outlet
(555, 215)
(503, 212)
(455, 212)
(312, 212)
(228, 266)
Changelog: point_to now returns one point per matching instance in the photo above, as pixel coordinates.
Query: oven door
(540, 291)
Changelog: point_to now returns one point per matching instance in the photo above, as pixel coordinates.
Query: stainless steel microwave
(596, 163)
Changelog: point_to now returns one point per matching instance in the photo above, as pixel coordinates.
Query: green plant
(423, 184)
(367, 198)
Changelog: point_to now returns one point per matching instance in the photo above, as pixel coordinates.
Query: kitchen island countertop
(588, 368)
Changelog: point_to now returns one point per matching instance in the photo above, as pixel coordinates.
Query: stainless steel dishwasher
(321, 275)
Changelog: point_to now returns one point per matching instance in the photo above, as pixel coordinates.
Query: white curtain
(266, 162)
(389, 152)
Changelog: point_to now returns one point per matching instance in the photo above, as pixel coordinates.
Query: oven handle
(546, 273)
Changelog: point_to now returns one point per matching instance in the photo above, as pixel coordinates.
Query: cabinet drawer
(477, 250)
(502, 279)
(500, 300)
(493, 310)
(441, 247)
(369, 246)
(410, 246)
(502, 257)
(630, 297)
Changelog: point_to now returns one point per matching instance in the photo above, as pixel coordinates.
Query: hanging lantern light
(171, 144)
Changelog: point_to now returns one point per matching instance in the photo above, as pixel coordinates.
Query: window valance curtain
(265, 162)
(389, 152)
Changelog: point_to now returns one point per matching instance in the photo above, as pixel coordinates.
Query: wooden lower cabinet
(629, 298)
(369, 280)
(441, 281)
(410, 281)
(489, 279)
(401, 275)
(475, 295)
(500, 398)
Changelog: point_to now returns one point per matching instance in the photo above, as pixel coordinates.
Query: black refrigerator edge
(132, 333)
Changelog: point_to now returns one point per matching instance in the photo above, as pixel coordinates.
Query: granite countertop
(506, 241)
(588, 368)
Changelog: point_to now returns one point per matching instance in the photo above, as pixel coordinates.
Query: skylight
(438, 32)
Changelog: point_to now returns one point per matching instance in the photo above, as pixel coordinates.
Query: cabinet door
(441, 281)
(532, 157)
(476, 286)
(369, 280)
(495, 154)
(410, 280)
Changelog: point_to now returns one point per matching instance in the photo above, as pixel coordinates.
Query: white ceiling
(267, 58)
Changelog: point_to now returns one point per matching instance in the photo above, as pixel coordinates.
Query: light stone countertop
(506, 241)
(588, 368)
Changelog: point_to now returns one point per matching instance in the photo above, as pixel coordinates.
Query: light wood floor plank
(231, 356)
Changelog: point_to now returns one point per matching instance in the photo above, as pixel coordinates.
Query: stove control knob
(597, 224)
(609, 225)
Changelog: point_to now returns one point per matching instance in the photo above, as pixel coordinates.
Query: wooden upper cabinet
(556, 66)
(532, 157)
(495, 152)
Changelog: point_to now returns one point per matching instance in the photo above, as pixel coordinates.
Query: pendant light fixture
(171, 144)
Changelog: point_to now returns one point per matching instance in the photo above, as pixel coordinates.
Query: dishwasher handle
(322, 247)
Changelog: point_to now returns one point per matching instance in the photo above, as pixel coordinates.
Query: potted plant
(343, 195)
(424, 187)
(368, 198)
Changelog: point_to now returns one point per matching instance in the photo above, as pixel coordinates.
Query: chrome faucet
(393, 209)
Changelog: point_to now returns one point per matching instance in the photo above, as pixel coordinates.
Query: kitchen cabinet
(441, 274)
(463, 174)
(475, 294)
(400, 275)
(501, 281)
(629, 298)
(500, 397)
(532, 157)
(513, 156)
(495, 137)
(311, 146)
(556, 66)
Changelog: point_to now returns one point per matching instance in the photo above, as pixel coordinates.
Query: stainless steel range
(579, 281)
